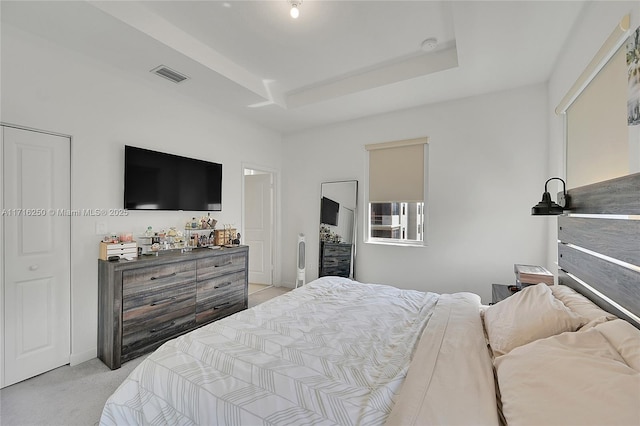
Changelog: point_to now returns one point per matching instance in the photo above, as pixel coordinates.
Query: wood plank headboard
(599, 245)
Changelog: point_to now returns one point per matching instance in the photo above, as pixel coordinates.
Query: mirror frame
(354, 231)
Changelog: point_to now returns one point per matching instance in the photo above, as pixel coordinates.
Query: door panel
(258, 224)
(32, 193)
(257, 261)
(36, 183)
(33, 310)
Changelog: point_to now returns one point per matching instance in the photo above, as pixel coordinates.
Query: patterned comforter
(331, 352)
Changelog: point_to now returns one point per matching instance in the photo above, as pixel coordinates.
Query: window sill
(397, 243)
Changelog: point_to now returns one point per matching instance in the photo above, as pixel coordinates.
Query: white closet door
(36, 184)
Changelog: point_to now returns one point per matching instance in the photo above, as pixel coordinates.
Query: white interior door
(36, 296)
(258, 214)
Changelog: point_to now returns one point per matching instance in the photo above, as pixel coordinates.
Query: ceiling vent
(169, 74)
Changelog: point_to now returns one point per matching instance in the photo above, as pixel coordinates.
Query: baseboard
(79, 358)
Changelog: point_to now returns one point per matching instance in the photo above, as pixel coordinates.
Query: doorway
(36, 237)
(259, 215)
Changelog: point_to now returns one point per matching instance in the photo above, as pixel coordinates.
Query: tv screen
(329, 211)
(158, 181)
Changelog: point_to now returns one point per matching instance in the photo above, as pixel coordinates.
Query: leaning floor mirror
(338, 228)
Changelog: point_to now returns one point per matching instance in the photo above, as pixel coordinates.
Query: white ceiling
(339, 60)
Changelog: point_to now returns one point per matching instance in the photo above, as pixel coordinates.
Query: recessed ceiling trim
(171, 75)
(384, 74)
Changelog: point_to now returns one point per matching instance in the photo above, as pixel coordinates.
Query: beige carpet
(266, 294)
(64, 396)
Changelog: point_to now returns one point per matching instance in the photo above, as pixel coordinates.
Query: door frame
(275, 217)
(2, 239)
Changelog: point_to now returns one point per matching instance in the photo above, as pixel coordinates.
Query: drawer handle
(221, 305)
(155, 330)
(159, 302)
(224, 264)
(223, 285)
(164, 276)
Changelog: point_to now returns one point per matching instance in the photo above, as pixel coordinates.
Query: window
(397, 192)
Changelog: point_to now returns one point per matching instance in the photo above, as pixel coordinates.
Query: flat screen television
(159, 181)
(329, 211)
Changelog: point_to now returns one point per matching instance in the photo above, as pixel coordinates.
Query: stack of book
(531, 275)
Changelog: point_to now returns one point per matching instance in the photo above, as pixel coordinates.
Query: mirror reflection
(338, 227)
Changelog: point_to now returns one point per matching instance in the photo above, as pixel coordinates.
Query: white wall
(597, 22)
(50, 88)
(487, 167)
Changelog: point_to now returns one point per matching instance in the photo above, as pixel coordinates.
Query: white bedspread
(331, 352)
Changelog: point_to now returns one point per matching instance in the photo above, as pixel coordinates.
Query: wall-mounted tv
(329, 211)
(159, 181)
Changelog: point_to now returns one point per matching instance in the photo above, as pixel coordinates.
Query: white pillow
(531, 314)
(568, 379)
(581, 305)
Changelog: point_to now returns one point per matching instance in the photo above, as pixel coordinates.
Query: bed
(337, 351)
(331, 352)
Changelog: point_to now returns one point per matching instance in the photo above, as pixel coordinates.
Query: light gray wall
(53, 89)
(487, 166)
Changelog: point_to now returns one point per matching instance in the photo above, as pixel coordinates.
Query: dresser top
(171, 256)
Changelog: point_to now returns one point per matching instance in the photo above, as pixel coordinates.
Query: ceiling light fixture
(294, 12)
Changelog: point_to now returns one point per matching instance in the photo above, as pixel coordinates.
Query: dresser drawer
(157, 303)
(222, 264)
(141, 336)
(343, 250)
(155, 279)
(147, 317)
(154, 321)
(336, 269)
(333, 267)
(129, 249)
(220, 296)
(335, 259)
(162, 301)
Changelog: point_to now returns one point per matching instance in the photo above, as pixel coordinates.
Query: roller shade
(396, 171)
(597, 131)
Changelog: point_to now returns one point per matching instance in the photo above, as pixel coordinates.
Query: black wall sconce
(546, 207)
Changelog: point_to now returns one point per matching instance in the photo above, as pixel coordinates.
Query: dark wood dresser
(144, 302)
(335, 259)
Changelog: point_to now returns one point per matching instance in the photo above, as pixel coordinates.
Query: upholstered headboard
(599, 245)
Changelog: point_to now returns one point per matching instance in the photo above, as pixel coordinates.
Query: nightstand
(501, 291)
